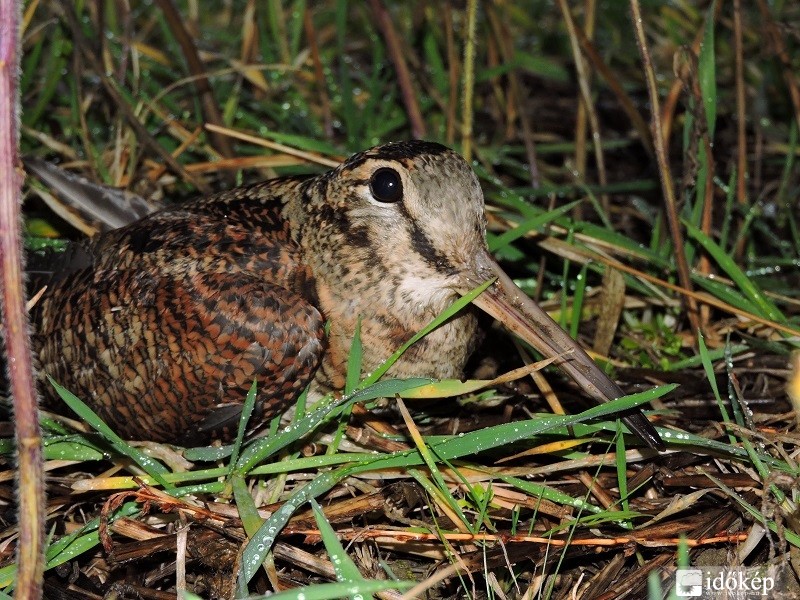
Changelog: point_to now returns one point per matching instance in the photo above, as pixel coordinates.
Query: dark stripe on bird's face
(422, 245)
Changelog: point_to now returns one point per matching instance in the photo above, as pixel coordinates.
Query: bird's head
(407, 215)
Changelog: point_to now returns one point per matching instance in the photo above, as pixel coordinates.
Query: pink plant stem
(30, 557)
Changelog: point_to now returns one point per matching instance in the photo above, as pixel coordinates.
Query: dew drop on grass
(675, 436)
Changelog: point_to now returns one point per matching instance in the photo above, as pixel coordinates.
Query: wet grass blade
(264, 448)
(247, 411)
(354, 360)
(151, 466)
(333, 591)
(729, 266)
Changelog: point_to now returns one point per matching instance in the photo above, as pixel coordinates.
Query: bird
(161, 326)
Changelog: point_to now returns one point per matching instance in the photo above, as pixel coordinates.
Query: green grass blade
(732, 270)
(70, 546)
(354, 360)
(263, 448)
(712, 381)
(791, 537)
(478, 441)
(577, 302)
(247, 411)
(247, 509)
(622, 472)
(532, 224)
(334, 591)
(539, 490)
(707, 72)
(346, 570)
(264, 538)
(151, 466)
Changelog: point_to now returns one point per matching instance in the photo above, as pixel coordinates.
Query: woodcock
(161, 326)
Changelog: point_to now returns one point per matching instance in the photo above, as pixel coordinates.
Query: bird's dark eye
(386, 185)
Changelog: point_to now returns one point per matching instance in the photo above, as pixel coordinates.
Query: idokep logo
(689, 583)
(735, 583)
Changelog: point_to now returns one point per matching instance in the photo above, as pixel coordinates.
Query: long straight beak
(523, 317)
